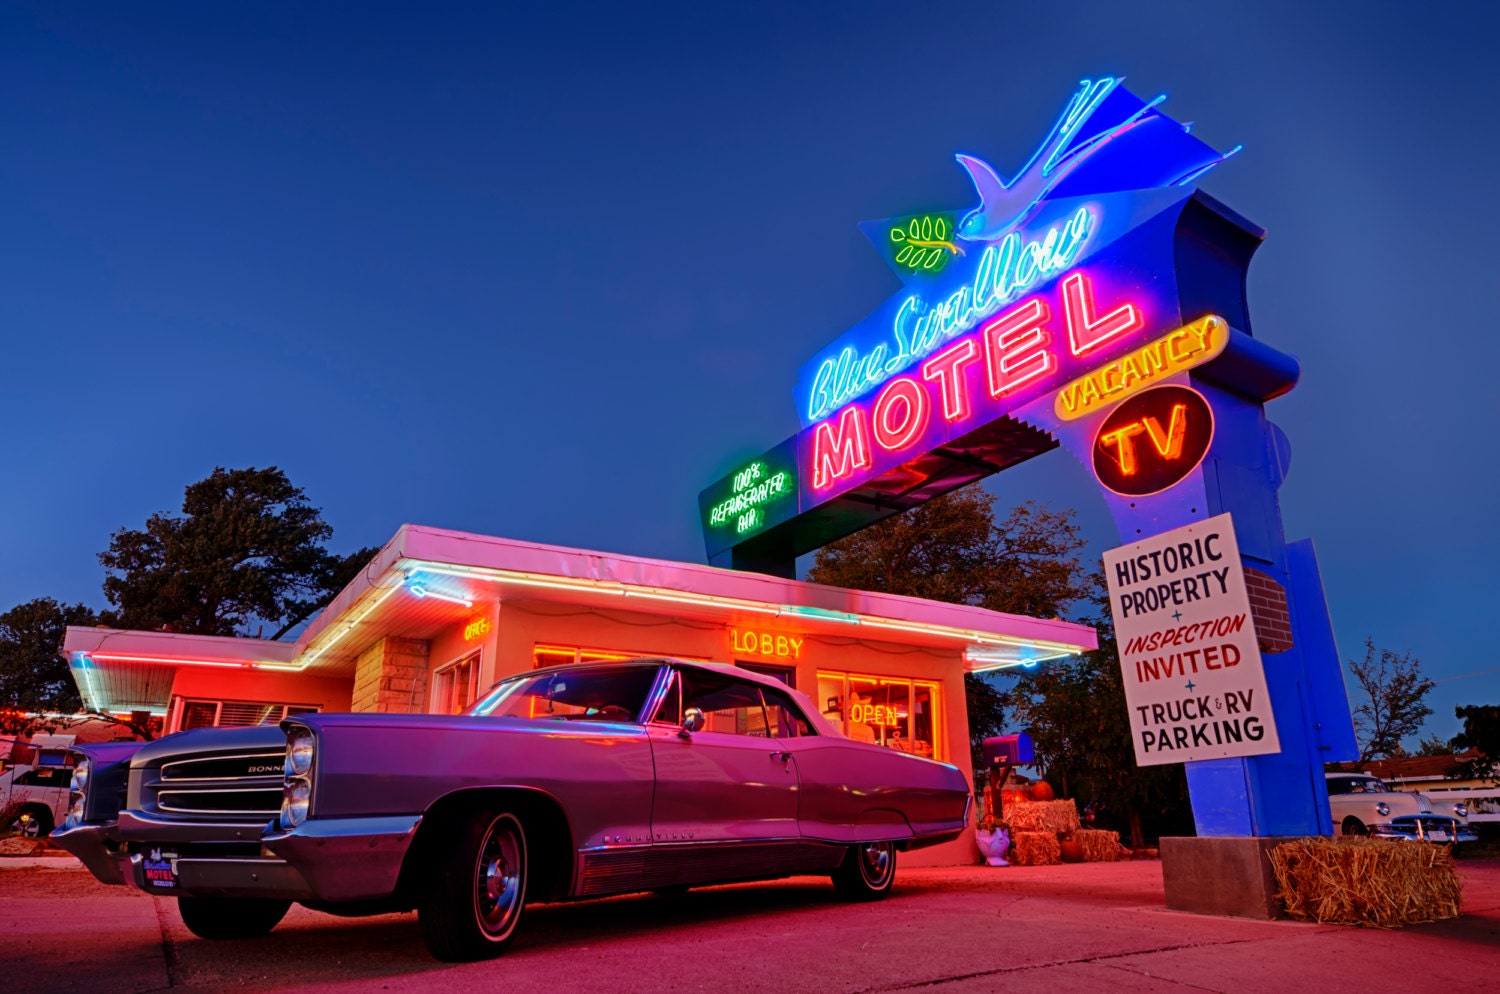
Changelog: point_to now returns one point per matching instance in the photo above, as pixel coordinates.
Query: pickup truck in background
(34, 796)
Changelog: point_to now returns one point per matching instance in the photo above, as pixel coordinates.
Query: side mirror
(692, 721)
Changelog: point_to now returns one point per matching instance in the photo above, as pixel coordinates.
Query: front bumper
(347, 859)
(1427, 829)
(89, 844)
(327, 860)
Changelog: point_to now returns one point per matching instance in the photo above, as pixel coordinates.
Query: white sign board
(1188, 655)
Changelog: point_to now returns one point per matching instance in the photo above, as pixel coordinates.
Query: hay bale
(1035, 849)
(1098, 845)
(1043, 816)
(1362, 881)
(17, 846)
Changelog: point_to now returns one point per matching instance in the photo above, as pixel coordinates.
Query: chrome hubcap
(875, 862)
(497, 890)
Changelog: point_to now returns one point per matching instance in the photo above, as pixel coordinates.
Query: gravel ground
(1019, 929)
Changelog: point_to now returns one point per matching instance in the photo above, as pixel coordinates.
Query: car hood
(209, 740)
(1400, 802)
(378, 719)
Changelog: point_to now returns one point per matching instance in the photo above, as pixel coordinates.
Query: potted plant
(993, 838)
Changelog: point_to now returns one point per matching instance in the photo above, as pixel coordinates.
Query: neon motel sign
(1005, 272)
(1059, 287)
(1014, 349)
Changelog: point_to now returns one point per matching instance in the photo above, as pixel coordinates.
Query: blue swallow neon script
(1005, 272)
(1049, 217)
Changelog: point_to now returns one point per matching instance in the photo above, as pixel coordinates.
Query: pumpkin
(1041, 791)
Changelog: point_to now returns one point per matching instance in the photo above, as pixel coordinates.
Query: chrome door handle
(783, 756)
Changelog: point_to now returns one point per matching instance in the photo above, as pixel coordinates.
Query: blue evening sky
(544, 271)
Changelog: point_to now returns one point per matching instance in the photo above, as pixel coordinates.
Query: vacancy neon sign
(1019, 348)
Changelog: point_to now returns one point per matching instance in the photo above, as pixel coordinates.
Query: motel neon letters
(1014, 349)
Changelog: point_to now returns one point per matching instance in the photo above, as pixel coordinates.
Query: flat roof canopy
(427, 579)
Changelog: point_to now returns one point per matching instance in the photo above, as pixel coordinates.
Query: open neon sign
(1015, 350)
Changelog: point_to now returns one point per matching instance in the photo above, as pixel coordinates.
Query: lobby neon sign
(1004, 273)
(1015, 349)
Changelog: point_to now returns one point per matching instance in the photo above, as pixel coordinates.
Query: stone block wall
(391, 675)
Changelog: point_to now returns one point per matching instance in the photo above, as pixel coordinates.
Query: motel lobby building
(438, 616)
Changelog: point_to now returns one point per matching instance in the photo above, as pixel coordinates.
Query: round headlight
(299, 754)
(1382, 808)
(294, 800)
(1461, 809)
(80, 779)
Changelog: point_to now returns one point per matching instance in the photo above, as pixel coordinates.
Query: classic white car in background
(1363, 805)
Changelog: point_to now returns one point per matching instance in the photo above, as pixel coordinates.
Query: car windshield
(602, 693)
(1357, 785)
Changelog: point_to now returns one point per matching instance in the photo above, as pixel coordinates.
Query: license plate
(160, 868)
(1438, 835)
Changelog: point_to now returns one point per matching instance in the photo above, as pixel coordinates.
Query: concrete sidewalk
(1019, 929)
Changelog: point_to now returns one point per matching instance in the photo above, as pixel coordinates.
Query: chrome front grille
(259, 764)
(1426, 823)
(225, 787)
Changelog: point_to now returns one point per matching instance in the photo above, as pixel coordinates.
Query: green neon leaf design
(926, 244)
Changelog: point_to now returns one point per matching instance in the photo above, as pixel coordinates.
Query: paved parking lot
(1099, 927)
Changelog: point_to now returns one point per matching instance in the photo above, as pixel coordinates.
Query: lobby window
(557, 655)
(235, 714)
(896, 713)
(455, 686)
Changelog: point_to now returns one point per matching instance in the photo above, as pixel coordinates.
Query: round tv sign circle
(1153, 440)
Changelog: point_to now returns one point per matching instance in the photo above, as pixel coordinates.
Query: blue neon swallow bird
(1106, 140)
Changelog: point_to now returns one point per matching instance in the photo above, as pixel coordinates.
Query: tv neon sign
(1005, 271)
(1014, 349)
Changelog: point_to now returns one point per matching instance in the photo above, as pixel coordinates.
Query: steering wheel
(615, 712)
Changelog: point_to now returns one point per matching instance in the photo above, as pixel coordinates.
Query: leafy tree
(1482, 732)
(1076, 715)
(1434, 746)
(247, 550)
(1395, 707)
(36, 687)
(952, 549)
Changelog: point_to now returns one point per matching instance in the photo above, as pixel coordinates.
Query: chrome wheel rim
(876, 863)
(500, 877)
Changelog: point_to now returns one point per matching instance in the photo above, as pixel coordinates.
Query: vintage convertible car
(561, 783)
(1363, 805)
